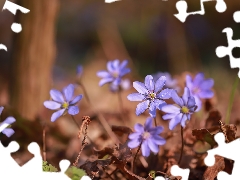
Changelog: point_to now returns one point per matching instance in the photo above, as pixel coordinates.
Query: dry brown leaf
(120, 130)
(204, 135)
(213, 119)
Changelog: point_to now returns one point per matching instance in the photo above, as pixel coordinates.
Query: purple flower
(200, 88)
(151, 95)
(114, 74)
(181, 112)
(170, 82)
(147, 136)
(4, 126)
(63, 102)
(124, 85)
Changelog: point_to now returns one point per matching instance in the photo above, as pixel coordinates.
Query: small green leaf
(75, 173)
(48, 167)
(152, 174)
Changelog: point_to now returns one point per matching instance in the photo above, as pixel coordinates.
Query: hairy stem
(235, 85)
(85, 122)
(182, 146)
(135, 157)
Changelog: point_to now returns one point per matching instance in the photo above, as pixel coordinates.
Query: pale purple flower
(147, 136)
(124, 85)
(114, 74)
(151, 94)
(200, 88)
(7, 131)
(181, 112)
(63, 101)
(170, 82)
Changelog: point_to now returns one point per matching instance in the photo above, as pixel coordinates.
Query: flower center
(196, 90)
(146, 135)
(115, 74)
(185, 110)
(152, 95)
(65, 105)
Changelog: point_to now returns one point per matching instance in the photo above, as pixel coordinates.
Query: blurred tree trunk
(33, 58)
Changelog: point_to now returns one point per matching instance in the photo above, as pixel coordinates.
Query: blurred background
(58, 35)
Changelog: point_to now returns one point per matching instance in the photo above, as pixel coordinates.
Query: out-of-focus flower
(151, 94)
(114, 74)
(200, 88)
(63, 102)
(124, 85)
(170, 82)
(7, 122)
(147, 136)
(181, 112)
(79, 70)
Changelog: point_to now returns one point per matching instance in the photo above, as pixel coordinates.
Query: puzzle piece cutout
(159, 178)
(176, 171)
(227, 150)
(11, 170)
(182, 8)
(12, 7)
(111, 1)
(222, 51)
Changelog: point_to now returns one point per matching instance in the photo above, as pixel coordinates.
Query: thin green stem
(235, 85)
(182, 146)
(74, 120)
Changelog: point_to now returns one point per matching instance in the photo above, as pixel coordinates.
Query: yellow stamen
(65, 105)
(146, 135)
(196, 90)
(152, 95)
(115, 74)
(185, 109)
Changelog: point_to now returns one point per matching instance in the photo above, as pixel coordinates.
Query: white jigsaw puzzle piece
(226, 150)
(111, 1)
(12, 7)
(33, 165)
(85, 178)
(10, 169)
(5, 156)
(2, 46)
(236, 16)
(176, 171)
(222, 51)
(182, 6)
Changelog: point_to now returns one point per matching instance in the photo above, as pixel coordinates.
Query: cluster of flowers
(152, 94)
(153, 97)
